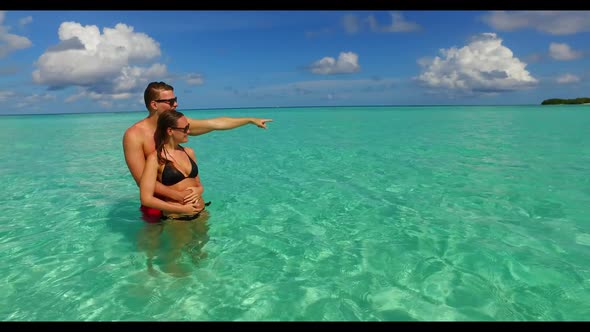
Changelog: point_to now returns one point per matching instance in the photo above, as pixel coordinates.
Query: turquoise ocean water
(338, 214)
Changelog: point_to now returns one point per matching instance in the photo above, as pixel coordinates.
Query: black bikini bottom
(186, 217)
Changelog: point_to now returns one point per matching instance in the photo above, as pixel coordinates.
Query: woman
(174, 166)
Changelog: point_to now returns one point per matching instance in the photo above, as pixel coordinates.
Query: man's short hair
(152, 91)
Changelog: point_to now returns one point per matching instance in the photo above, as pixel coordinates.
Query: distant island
(557, 101)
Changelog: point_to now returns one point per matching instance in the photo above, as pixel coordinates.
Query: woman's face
(180, 132)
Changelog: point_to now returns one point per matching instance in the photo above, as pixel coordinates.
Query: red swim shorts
(150, 215)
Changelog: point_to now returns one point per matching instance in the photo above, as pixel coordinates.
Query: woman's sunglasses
(184, 130)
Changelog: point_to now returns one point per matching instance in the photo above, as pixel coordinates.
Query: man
(138, 141)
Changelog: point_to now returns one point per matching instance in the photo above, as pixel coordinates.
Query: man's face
(166, 101)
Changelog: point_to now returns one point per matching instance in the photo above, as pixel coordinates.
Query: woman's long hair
(165, 120)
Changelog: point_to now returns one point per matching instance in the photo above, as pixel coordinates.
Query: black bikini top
(171, 175)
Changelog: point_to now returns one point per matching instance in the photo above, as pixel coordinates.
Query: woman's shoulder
(186, 149)
(189, 151)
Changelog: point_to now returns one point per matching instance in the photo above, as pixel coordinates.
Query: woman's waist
(185, 184)
(199, 202)
(201, 205)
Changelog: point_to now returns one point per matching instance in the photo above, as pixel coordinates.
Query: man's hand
(178, 196)
(261, 123)
(190, 208)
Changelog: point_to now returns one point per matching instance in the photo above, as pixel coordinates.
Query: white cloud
(398, 24)
(568, 78)
(5, 95)
(34, 99)
(563, 52)
(10, 42)
(102, 97)
(305, 92)
(533, 57)
(484, 65)
(100, 62)
(347, 63)
(351, 24)
(77, 96)
(25, 20)
(133, 78)
(18, 100)
(342, 85)
(319, 33)
(322, 88)
(552, 22)
(195, 79)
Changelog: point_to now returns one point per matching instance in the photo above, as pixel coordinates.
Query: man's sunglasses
(184, 130)
(170, 101)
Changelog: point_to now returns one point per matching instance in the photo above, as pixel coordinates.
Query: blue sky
(101, 61)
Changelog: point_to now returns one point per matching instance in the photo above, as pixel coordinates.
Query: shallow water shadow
(125, 218)
(163, 243)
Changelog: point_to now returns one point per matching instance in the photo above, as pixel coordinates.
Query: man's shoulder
(153, 155)
(138, 130)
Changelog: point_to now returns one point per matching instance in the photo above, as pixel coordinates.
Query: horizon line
(278, 107)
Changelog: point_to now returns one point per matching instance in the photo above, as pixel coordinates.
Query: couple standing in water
(166, 172)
